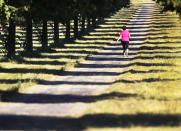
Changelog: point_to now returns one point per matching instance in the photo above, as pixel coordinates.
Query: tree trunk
(93, 22)
(56, 31)
(44, 34)
(83, 24)
(76, 27)
(11, 39)
(101, 19)
(88, 22)
(67, 29)
(29, 32)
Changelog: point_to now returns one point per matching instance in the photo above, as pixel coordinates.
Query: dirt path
(70, 93)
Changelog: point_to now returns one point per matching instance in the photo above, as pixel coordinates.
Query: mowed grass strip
(148, 94)
(27, 71)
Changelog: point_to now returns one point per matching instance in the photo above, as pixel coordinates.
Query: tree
(172, 5)
(29, 12)
(10, 45)
(41, 13)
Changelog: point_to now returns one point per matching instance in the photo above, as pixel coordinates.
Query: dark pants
(125, 45)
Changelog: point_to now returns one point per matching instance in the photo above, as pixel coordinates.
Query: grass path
(50, 104)
(64, 94)
(147, 96)
(30, 69)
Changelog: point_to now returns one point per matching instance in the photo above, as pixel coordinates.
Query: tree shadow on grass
(159, 52)
(108, 59)
(14, 81)
(151, 64)
(156, 57)
(67, 98)
(8, 93)
(85, 83)
(36, 71)
(172, 42)
(101, 66)
(49, 56)
(149, 71)
(25, 122)
(158, 48)
(146, 80)
(114, 53)
(60, 71)
(78, 52)
(55, 62)
(69, 73)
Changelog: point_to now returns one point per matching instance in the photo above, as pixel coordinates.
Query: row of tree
(27, 13)
(172, 5)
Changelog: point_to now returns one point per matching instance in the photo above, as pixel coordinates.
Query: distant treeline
(27, 13)
(172, 5)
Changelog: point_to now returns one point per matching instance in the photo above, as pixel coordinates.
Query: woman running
(124, 36)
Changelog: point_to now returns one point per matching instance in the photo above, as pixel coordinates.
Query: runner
(124, 36)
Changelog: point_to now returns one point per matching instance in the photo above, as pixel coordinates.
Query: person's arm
(119, 37)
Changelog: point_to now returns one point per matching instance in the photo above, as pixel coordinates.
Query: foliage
(26, 14)
(43, 64)
(172, 5)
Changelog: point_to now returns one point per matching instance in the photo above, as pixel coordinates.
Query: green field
(23, 72)
(145, 97)
(148, 94)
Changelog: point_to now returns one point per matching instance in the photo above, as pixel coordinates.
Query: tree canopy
(27, 12)
(173, 5)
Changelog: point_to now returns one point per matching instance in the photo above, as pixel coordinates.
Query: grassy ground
(148, 94)
(27, 71)
(146, 97)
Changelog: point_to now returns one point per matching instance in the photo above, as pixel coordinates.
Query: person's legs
(126, 48)
(126, 52)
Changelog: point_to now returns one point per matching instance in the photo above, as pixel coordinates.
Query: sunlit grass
(28, 70)
(151, 85)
